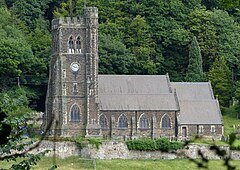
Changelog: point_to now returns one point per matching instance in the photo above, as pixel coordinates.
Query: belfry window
(78, 45)
(143, 123)
(166, 122)
(75, 113)
(103, 121)
(70, 45)
(122, 122)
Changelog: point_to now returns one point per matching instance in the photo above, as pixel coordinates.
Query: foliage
(200, 24)
(82, 142)
(113, 58)
(220, 77)
(162, 144)
(13, 105)
(228, 40)
(29, 10)
(15, 52)
(195, 70)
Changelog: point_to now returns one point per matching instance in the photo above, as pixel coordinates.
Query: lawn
(229, 123)
(75, 163)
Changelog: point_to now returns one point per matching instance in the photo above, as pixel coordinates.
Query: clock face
(75, 67)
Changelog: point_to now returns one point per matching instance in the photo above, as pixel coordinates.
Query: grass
(229, 123)
(208, 142)
(76, 163)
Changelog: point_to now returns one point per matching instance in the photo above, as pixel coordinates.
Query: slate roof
(138, 102)
(135, 92)
(197, 103)
(133, 84)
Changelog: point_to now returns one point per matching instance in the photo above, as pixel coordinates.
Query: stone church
(82, 102)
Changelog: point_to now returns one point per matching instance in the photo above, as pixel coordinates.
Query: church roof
(133, 84)
(193, 91)
(199, 112)
(135, 92)
(138, 102)
(197, 103)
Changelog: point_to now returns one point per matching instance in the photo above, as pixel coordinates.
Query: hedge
(162, 144)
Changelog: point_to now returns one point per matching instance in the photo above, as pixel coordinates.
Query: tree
(30, 10)
(115, 58)
(40, 40)
(195, 70)
(221, 80)
(138, 39)
(15, 52)
(14, 115)
(200, 24)
(228, 39)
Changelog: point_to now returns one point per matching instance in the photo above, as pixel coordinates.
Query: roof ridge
(189, 82)
(136, 94)
(131, 75)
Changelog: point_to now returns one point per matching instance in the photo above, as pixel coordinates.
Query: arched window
(78, 45)
(75, 113)
(70, 45)
(143, 122)
(122, 121)
(166, 122)
(103, 121)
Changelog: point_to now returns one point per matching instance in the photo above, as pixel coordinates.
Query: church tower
(72, 96)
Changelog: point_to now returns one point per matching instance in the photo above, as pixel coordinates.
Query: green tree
(15, 52)
(115, 58)
(14, 116)
(138, 39)
(40, 40)
(200, 24)
(228, 40)
(195, 71)
(221, 80)
(30, 10)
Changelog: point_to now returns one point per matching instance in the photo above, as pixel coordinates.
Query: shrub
(82, 142)
(162, 144)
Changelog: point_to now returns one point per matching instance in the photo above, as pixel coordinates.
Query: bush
(162, 144)
(82, 142)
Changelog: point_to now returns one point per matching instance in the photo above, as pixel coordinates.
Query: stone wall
(119, 150)
(59, 149)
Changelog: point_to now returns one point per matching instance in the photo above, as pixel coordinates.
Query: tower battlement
(67, 21)
(89, 13)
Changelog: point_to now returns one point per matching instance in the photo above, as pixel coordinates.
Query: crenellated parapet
(90, 18)
(91, 12)
(67, 21)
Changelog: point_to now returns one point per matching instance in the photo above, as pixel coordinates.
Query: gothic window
(143, 123)
(122, 121)
(75, 113)
(166, 122)
(78, 45)
(103, 121)
(70, 45)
